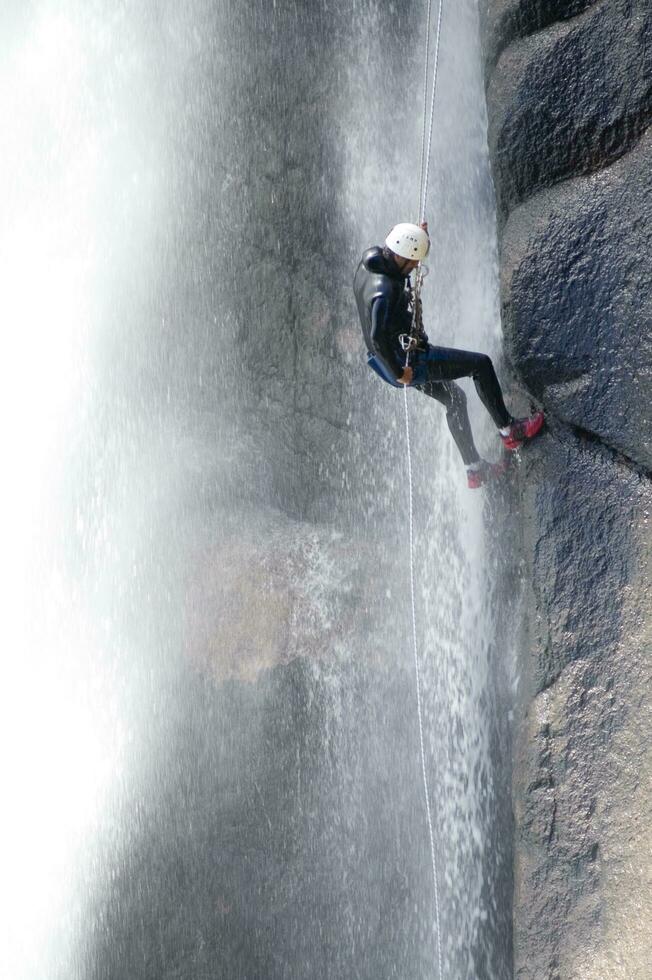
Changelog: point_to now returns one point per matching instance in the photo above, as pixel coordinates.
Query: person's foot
(484, 472)
(520, 430)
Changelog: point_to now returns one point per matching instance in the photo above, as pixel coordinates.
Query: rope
(436, 924)
(425, 154)
(424, 173)
(425, 109)
(416, 299)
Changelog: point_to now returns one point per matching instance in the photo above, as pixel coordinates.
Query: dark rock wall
(569, 98)
(576, 268)
(569, 91)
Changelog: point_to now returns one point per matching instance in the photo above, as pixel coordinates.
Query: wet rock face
(266, 590)
(568, 97)
(581, 557)
(569, 100)
(577, 299)
(504, 21)
(569, 90)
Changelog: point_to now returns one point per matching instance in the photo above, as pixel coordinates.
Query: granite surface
(569, 92)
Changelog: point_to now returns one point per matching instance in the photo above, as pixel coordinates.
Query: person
(385, 303)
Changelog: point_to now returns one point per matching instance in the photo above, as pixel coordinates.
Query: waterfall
(463, 672)
(210, 698)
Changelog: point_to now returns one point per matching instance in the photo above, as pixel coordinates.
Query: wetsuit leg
(453, 399)
(447, 364)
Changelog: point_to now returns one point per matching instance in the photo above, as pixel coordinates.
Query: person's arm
(380, 311)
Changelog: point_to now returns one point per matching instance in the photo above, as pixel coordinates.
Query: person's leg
(438, 364)
(453, 399)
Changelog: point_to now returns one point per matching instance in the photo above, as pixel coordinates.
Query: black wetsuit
(383, 298)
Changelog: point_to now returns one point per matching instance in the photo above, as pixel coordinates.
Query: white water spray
(452, 622)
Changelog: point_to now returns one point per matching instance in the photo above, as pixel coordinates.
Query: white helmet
(409, 241)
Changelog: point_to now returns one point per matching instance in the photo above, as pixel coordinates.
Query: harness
(413, 340)
(411, 343)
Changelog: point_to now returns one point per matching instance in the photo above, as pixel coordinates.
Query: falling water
(210, 741)
(456, 589)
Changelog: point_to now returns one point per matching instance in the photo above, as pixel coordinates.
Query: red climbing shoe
(486, 472)
(522, 429)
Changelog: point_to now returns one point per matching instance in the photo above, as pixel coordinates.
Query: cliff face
(569, 92)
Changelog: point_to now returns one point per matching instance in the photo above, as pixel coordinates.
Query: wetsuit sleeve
(380, 336)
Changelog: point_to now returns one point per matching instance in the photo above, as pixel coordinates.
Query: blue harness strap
(377, 365)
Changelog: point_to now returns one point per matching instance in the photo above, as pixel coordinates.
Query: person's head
(407, 245)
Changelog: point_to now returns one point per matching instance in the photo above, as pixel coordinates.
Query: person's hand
(424, 225)
(406, 377)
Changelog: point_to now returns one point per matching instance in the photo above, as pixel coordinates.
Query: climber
(384, 296)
